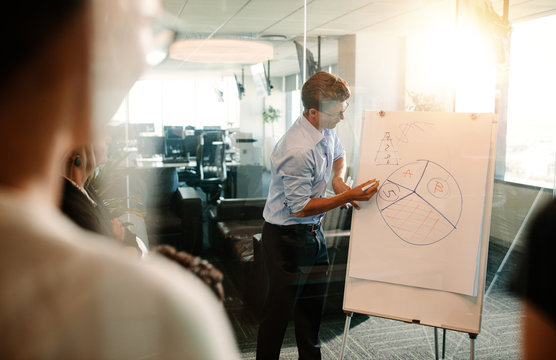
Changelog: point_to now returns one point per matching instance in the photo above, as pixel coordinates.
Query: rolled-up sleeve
(297, 173)
(339, 150)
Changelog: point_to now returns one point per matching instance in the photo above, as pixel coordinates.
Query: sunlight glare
(475, 73)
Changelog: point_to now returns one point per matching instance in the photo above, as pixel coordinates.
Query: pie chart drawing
(421, 202)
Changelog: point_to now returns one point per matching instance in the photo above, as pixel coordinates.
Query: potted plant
(106, 177)
(270, 115)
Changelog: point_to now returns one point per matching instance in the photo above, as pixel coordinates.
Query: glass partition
(396, 56)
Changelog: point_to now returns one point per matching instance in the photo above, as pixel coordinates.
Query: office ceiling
(282, 21)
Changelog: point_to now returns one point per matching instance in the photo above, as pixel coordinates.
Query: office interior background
(231, 65)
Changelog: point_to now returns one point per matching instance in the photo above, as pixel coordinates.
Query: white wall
(349, 127)
(251, 118)
(380, 72)
(374, 66)
(251, 109)
(273, 132)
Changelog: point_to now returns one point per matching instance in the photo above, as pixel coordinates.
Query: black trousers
(296, 261)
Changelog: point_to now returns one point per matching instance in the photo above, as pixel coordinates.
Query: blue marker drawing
(386, 153)
(421, 202)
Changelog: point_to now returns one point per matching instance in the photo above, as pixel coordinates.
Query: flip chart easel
(444, 151)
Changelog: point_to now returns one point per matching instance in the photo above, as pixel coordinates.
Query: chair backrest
(211, 157)
(190, 143)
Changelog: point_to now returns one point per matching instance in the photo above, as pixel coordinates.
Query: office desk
(159, 163)
(233, 169)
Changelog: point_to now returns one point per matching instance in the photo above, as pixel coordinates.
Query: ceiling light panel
(222, 51)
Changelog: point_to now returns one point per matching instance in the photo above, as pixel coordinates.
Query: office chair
(211, 166)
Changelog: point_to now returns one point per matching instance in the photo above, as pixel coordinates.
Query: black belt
(302, 227)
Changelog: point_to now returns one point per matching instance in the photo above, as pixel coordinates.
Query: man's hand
(340, 186)
(319, 205)
(357, 193)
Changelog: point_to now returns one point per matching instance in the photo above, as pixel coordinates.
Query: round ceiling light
(273, 37)
(223, 51)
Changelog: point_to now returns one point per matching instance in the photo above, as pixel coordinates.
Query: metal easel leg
(436, 343)
(346, 333)
(444, 343)
(472, 338)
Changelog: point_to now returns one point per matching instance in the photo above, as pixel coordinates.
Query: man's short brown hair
(323, 87)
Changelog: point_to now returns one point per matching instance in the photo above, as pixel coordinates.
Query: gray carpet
(377, 338)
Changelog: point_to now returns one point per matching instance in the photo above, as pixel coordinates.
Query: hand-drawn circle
(389, 192)
(418, 216)
(438, 188)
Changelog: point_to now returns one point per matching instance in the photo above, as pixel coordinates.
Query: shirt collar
(314, 134)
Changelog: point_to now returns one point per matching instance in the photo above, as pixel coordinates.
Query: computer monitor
(135, 130)
(211, 133)
(151, 145)
(173, 132)
(261, 80)
(311, 66)
(174, 148)
(211, 127)
(189, 130)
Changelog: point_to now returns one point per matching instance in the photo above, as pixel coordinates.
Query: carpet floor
(377, 338)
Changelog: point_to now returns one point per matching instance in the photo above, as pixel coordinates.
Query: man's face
(332, 113)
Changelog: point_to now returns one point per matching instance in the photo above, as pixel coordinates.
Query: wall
(251, 108)
(273, 132)
(346, 130)
(374, 66)
(251, 118)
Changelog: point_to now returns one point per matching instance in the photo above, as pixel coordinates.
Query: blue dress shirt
(301, 165)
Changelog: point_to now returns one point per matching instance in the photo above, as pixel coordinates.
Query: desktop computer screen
(149, 146)
(173, 132)
(135, 130)
(174, 148)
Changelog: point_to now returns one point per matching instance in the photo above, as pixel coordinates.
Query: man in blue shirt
(304, 161)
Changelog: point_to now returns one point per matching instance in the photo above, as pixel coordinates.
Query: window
(199, 103)
(531, 128)
(178, 105)
(145, 102)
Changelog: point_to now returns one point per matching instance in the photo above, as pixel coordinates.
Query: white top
(70, 294)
